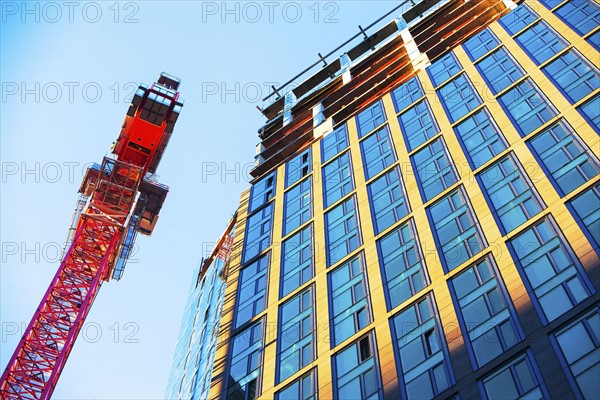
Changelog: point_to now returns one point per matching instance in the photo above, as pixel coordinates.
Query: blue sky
(67, 74)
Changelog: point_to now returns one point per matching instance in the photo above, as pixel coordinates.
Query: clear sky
(68, 70)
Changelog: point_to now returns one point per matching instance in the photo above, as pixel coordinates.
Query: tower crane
(117, 199)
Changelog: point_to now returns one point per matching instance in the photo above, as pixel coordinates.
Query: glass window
(246, 363)
(258, 232)
(297, 206)
(342, 231)
(456, 229)
(337, 179)
(518, 19)
(486, 311)
(297, 263)
(252, 290)
(581, 15)
(528, 108)
(594, 39)
(350, 309)
(356, 371)
(515, 380)
(574, 75)
(262, 192)
(304, 388)
(590, 112)
(418, 124)
(443, 69)
(378, 152)
(511, 196)
(370, 118)
(550, 268)
(500, 70)
(579, 344)
(458, 97)
(563, 154)
(334, 143)
(296, 334)
(541, 42)
(587, 208)
(435, 169)
(421, 348)
(480, 137)
(298, 168)
(407, 94)
(481, 44)
(388, 201)
(402, 264)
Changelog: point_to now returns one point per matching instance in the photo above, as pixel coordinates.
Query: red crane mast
(118, 199)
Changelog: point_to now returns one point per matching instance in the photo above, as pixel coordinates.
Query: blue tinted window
(443, 69)
(481, 44)
(434, 169)
(569, 162)
(515, 380)
(541, 42)
(526, 105)
(378, 152)
(486, 311)
(418, 124)
(513, 199)
(262, 191)
(574, 74)
(421, 346)
(481, 138)
(342, 231)
(297, 206)
(334, 143)
(587, 208)
(407, 94)
(304, 388)
(591, 113)
(594, 39)
(298, 168)
(388, 202)
(500, 70)
(370, 118)
(349, 300)
(459, 97)
(403, 266)
(581, 15)
(579, 344)
(296, 334)
(252, 285)
(518, 19)
(246, 363)
(456, 229)
(297, 260)
(337, 179)
(356, 373)
(258, 232)
(551, 270)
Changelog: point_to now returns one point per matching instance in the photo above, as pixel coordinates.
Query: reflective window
(246, 363)
(334, 143)
(349, 299)
(418, 124)
(563, 154)
(526, 105)
(434, 169)
(541, 42)
(378, 152)
(518, 19)
(421, 349)
(459, 97)
(481, 44)
(297, 260)
(500, 70)
(456, 229)
(296, 334)
(581, 15)
(297, 206)
(342, 231)
(388, 201)
(443, 69)
(515, 380)
(304, 388)
(370, 118)
(590, 112)
(252, 292)
(480, 137)
(402, 264)
(551, 270)
(337, 179)
(594, 39)
(587, 208)
(298, 168)
(258, 232)
(574, 75)
(262, 192)
(357, 371)
(483, 307)
(407, 94)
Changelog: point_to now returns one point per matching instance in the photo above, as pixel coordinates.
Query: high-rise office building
(424, 219)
